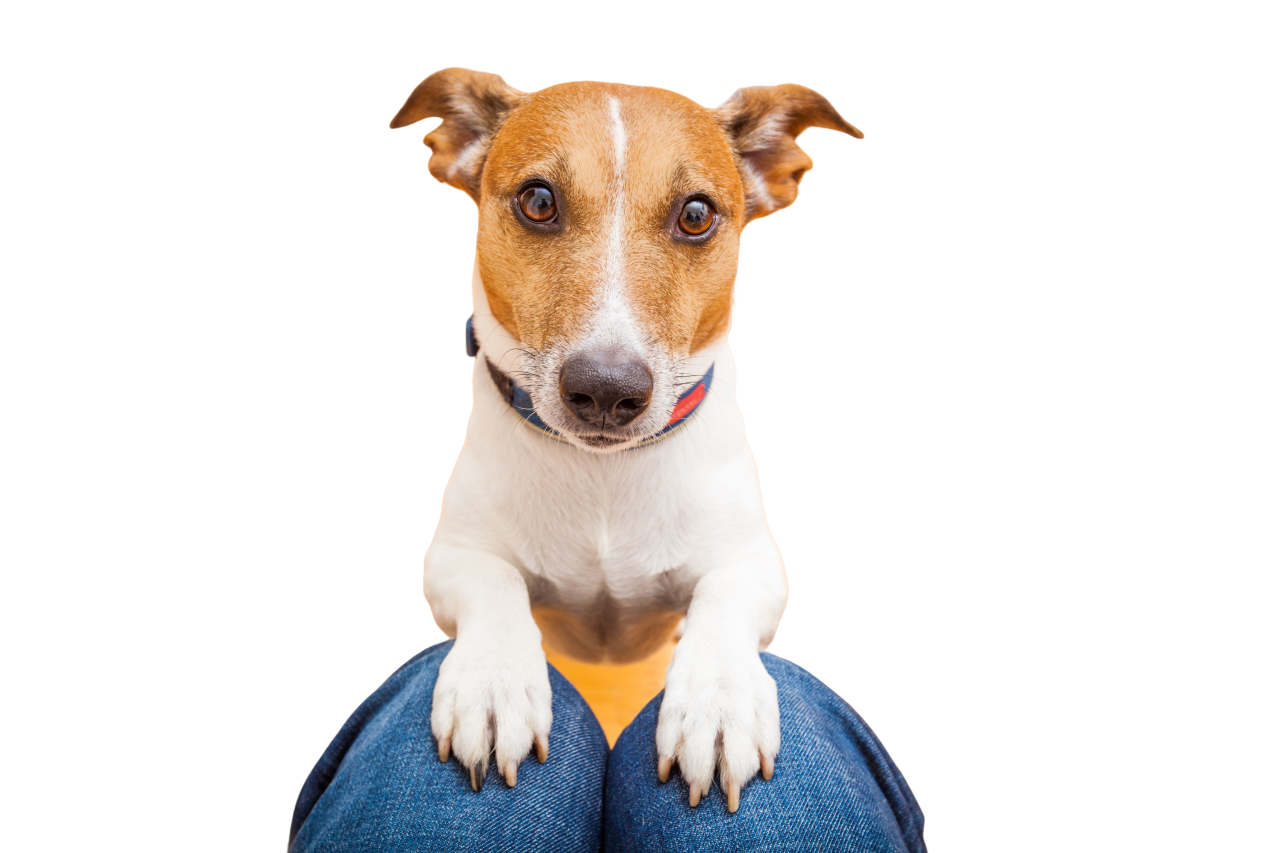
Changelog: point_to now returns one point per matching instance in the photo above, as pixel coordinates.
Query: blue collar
(520, 401)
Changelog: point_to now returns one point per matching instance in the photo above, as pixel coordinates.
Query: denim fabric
(834, 788)
(379, 787)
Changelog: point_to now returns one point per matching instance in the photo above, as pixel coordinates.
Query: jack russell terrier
(605, 496)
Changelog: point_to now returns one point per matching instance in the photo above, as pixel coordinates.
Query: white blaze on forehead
(619, 136)
(613, 323)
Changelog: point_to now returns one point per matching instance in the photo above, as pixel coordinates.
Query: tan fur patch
(621, 160)
(473, 106)
(762, 123)
(541, 286)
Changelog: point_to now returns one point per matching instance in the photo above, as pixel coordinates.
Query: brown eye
(696, 217)
(538, 203)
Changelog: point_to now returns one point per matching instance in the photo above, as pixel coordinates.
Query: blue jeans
(379, 786)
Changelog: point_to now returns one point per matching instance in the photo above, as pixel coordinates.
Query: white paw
(720, 713)
(492, 696)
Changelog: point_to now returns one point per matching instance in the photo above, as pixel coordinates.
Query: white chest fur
(610, 546)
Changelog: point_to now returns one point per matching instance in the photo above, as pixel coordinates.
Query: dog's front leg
(493, 693)
(720, 710)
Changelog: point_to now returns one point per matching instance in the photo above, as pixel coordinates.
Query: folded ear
(473, 105)
(762, 124)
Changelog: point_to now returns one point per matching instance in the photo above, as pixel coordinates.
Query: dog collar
(520, 401)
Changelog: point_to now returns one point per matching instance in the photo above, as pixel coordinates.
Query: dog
(605, 499)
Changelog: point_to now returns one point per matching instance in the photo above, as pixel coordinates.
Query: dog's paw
(720, 713)
(492, 696)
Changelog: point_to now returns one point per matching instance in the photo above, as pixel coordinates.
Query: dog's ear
(473, 105)
(762, 124)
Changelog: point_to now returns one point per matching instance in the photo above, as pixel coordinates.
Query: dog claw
(541, 742)
(766, 766)
(732, 795)
(664, 770)
(510, 774)
(695, 797)
(443, 745)
(477, 777)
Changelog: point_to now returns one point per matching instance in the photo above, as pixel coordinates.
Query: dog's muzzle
(620, 388)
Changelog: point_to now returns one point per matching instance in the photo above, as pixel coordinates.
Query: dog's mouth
(601, 441)
(599, 436)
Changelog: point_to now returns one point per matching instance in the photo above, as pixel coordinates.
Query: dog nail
(443, 744)
(542, 749)
(477, 778)
(766, 766)
(664, 770)
(695, 796)
(510, 773)
(733, 798)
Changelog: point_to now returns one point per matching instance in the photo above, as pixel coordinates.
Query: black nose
(605, 387)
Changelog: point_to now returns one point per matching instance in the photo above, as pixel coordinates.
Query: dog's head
(609, 224)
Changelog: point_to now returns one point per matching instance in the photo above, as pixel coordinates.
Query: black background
(850, 382)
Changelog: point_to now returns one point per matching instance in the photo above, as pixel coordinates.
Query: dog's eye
(696, 217)
(538, 203)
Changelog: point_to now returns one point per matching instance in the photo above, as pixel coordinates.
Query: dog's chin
(597, 440)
